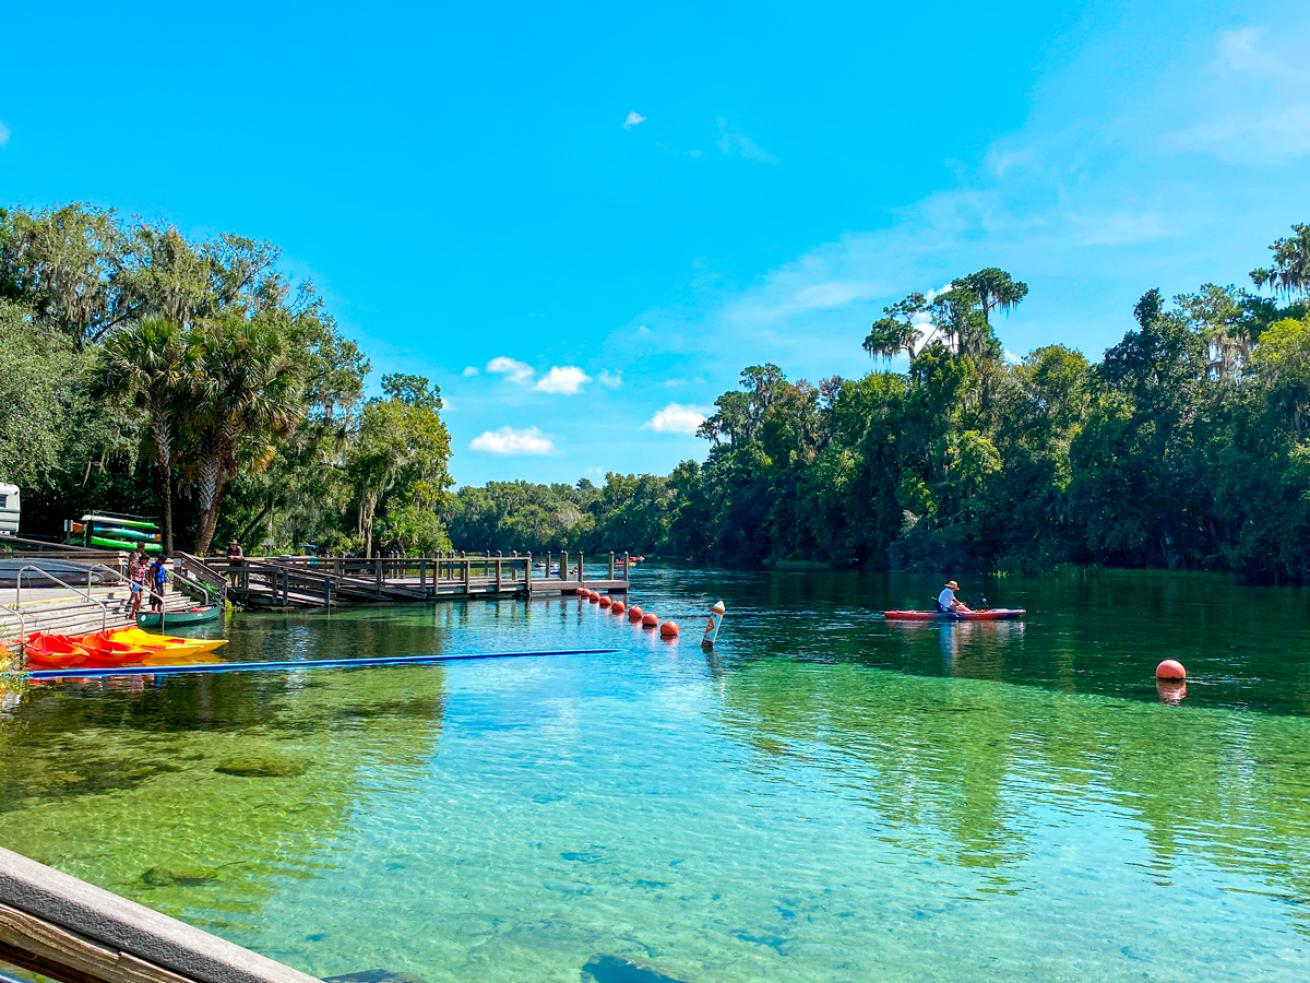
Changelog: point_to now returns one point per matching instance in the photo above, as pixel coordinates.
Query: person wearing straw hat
(947, 602)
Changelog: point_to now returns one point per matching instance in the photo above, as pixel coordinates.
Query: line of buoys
(669, 629)
(649, 621)
(593, 597)
(617, 607)
(604, 601)
(635, 613)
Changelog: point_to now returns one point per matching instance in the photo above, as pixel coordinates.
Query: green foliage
(39, 390)
(131, 345)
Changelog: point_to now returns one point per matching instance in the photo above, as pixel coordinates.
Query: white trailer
(8, 508)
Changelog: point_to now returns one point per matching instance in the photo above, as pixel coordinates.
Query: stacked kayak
(992, 614)
(115, 532)
(108, 649)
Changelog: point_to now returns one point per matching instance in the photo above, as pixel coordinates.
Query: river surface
(826, 797)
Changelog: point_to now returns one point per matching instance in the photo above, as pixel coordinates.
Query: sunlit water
(828, 797)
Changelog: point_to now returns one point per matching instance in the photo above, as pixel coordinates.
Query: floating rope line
(72, 672)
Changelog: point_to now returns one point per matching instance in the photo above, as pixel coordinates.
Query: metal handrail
(163, 603)
(22, 622)
(18, 592)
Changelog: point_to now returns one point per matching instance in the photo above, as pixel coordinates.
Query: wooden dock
(327, 582)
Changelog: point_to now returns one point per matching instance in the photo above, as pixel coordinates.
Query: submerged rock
(161, 876)
(615, 969)
(261, 766)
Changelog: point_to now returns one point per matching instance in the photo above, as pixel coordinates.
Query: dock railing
(68, 930)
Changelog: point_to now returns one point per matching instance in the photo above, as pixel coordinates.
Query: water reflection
(962, 771)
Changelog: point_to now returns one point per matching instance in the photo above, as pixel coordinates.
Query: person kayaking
(948, 603)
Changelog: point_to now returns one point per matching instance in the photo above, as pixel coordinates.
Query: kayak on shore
(991, 614)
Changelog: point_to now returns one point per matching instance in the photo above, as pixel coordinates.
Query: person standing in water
(948, 603)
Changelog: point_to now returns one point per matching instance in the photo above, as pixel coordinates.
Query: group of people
(145, 574)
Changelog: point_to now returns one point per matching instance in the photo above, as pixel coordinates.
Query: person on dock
(158, 580)
(947, 602)
(136, 575)
(235, 554)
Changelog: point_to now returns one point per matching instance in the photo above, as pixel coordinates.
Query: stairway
(61, 612)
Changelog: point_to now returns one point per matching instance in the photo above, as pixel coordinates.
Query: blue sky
(583, 221)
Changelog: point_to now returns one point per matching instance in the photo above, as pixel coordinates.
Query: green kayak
(109, 520)
(176, 619)
(123, 544)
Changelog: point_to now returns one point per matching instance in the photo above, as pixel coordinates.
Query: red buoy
(669, 629)
(635, 613)
(618, 607)
(593, 597)
(603, 601)
(1169, 669)
(649, 621)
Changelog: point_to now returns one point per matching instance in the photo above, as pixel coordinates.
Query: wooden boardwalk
(327, 582)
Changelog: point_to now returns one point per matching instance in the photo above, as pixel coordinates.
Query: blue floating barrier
(215, 667)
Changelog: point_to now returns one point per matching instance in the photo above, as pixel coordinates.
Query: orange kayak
(52, 651)
(105, 653)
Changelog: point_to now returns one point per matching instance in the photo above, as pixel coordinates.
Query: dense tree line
(1187, 446)
(147, 372)
(151, 373)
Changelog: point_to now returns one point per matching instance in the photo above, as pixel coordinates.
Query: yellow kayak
(168, 648)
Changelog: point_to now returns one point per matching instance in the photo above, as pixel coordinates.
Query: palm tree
(247, 395)
(146, 365)
(1290, 274)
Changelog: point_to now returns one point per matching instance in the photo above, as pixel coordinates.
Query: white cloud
(733, 143)
(611, 379)
(4, 133)
(673, 383)
(470, 370)
(1010, 358)
(676, 418)
(563, 380)
(511, 369)
(634, 119)
(508, 442)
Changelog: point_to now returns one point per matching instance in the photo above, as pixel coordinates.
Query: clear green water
(829, 797)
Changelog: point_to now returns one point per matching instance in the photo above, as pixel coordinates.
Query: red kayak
(992, 614)
(52, 651)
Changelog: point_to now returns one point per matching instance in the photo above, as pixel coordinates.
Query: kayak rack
(209, 668)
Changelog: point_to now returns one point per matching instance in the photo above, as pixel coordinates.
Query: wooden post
(422, 575)
(468, 567)
(627, 565)
(527, 573)
(582, 568)
(499, 561)
(564, 565)
(611, 577)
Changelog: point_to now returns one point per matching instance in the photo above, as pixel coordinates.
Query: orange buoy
(669, 629)
(635, 613)
(649, 621)
(1169, 669)
(593, 597)
(618, 607)
(603, 601)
